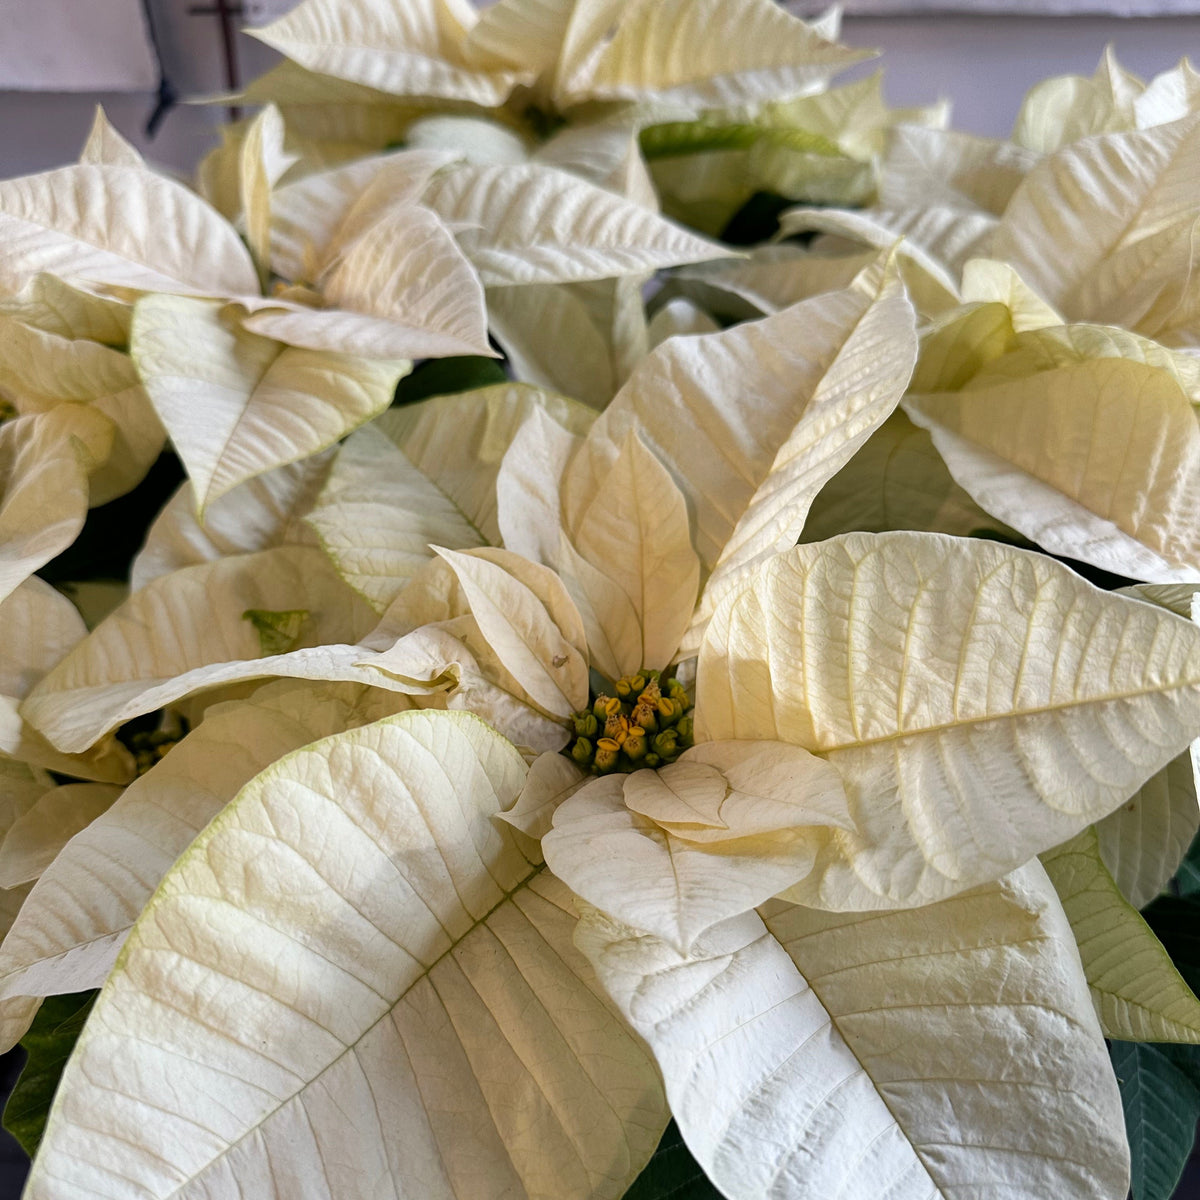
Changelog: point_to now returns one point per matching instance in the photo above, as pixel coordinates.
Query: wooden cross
(225, 11)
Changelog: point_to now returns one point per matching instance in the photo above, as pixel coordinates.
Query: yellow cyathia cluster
(647, 723)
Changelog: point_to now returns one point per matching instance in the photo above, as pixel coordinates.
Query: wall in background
(984, 64)
(109, 44)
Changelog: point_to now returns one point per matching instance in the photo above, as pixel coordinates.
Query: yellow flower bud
(643, 716)
(606, 755)
(664, 743)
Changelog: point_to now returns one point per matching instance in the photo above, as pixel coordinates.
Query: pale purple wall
(984, 64)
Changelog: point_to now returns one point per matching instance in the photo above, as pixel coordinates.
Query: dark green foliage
(114, 532)
(1162, 1106)
(1160, 1084)
(672, 1174)
(1187, 878)
(1176, 923)
(756, 221)
(545, 124)
(48, 1044)
(698, 137)
(443, 376)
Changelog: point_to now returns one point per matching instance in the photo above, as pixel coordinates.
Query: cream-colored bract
(44, 371)
(754, 420)
(123, 226)
(552, 779)
(725, 53)
(882, 653)
(947, 168)
(55, 306)
(715, 53)
(1094, 428)
(531, 223)
(259, 514)
(524, 629)
(551, 340)
(263, 162)
(106, 145)
(188, 630)
(631, 527)
(409, 49)
(677, 851)
(378, 515)
(1068, 107)
(33, 841)
(460, 441)
(420, 1013)
(237, 404)
(1112, 253)
(407, 268)
(58, 945)
(424, 475)
(309, 213)
(808, 1054)
(897, 480)
(45, 459)
(771, 278)
(80, 429)
(1143, 842)
(673, 730)
(40, 626)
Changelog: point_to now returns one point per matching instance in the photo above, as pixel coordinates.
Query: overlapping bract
(359, 921)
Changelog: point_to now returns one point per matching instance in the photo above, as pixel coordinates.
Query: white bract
(709, 718)
(850, 696)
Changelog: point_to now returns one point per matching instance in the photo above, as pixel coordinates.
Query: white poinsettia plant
(680, 610)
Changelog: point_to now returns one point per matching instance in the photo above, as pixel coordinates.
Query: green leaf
(696, 137)
(278, 632)
(1139, 994)
(672, 1174)
(1161, 1106)
(444, 376)
(49, 1043)
(756, 221)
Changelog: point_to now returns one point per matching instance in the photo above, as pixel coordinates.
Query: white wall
(109, 44)
(983, 64)
(986, 64)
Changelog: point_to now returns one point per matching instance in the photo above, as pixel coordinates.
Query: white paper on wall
(75, 46)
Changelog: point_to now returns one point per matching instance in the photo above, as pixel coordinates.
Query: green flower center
(647, 723)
